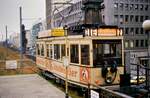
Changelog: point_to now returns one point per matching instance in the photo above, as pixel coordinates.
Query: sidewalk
(27, 86)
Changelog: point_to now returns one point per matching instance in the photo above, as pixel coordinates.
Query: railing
(107, 93)
(147, 76)
(28, 67)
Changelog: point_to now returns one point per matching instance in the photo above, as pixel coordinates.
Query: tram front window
(106, 51)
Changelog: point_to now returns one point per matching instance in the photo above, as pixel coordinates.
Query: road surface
(27, 86)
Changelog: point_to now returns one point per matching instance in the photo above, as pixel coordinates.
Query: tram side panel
(98, 79)
(80, 75)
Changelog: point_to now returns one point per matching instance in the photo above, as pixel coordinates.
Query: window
(146, 7)
(137, 43)
(136, 18)
(132, 31)
(131, 18)
(136, 6)
(141, 19)
(42, 50)
(51, 51)
(85, 55)
(137, 30)
(131, 6)
(47, 49)
(56, 51)
(142, 43)
(146, 43)
(126, 44)
(142, 31)
(121, 5)
(121, 19)
(116, 18)
(126, 30)
(116, 5)
(126, 6)
(141, 7)
(74, 53)
(63, 50)
(126, 18)
(131, 44)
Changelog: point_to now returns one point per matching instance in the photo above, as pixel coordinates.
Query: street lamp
(66, 61)
(146, 26)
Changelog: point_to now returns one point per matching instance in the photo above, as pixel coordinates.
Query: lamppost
(66, 61)
(146, 26)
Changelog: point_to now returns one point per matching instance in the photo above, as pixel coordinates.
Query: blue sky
(9, 9)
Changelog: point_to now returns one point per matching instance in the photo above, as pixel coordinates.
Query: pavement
(28, 86)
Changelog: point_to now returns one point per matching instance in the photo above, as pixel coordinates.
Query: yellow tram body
(83, 68)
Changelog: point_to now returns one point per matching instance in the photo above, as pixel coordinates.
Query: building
(127, 14)
(14, 40)
(37, 27)
(55, 14)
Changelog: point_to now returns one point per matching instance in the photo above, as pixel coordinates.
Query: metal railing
(146, 74)
(107, 93)
(28, 67)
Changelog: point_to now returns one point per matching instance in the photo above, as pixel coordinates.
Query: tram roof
(89, 30)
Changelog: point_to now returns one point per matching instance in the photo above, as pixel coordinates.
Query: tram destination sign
(104, 32)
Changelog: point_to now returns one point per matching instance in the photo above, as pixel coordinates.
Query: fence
(11, 67)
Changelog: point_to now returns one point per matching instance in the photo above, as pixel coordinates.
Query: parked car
(142, 79)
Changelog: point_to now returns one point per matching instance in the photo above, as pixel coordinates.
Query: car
(142, 79)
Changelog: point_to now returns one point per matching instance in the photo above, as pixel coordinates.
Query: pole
(6, 43)
(21, 47)
(66, 82)
(88, 89)
(148, 71)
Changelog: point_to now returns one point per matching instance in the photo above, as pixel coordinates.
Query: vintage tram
(95, 55)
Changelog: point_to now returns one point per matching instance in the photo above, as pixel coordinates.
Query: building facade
(14, 40)
(37, 27)
(127, 14)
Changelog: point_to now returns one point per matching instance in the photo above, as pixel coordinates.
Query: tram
(95, 56)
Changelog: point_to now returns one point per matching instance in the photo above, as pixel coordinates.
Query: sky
(32, 11)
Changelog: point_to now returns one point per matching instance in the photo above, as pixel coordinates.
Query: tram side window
(51, 51)
(74, 51)
(63, 50)
(56, 51)
(47, 49)
(85, 55)
(42, 50)
(38, 49)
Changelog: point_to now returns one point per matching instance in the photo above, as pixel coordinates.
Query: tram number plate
(94, 94)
